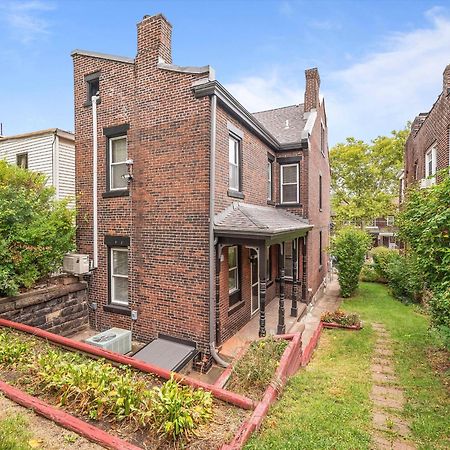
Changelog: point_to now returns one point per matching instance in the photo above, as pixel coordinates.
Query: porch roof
(259, 222)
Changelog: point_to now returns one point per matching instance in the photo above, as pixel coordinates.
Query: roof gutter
(212, 259)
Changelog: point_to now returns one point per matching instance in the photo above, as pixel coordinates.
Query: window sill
(118, 193)
(118, 309)
(289, 205)
(235, 194)
(236, 307)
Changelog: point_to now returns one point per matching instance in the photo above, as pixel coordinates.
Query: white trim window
(430, 162)
(233, 160)
(390, 221)
(289, 183)
(119, 275)
(269, 180)
(233, 269)
(118, 156)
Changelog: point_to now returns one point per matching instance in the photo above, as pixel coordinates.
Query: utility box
(76, 263)
(115, 340)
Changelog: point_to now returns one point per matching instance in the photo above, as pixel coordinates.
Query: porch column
(294, 310)
(281, 329)
(304, 269)
(262, 289)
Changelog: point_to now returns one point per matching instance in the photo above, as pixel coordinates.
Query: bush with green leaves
(369, 274)
(349, 246)
(382, 256)
(35, 229)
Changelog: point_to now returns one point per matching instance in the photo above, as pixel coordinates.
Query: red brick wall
(433, 130)
(166, 214)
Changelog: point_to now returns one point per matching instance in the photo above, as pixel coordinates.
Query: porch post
(294, 311)
(304, 269)
(262, 289)
(281, 329)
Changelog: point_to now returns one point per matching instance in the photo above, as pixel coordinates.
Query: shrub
(369, 274)
(382, 256)
(35, 229)
(253, 373)
(341, 317)
(349, 246)
(439, 305)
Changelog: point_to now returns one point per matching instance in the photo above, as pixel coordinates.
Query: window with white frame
(430, 162)
(269, 180)
(234, 160)
(233, 269)
(118, 155)
(390, 221)
(289, 183)
(119, 275)
(22, 160)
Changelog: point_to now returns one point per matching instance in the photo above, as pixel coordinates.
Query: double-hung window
(269, 180)
(390, 221)
(320, 192)
(289, 183)
(322, 139)
(22, 160)
(118, 156)
(234, 163)
(430, 162)
(119, 275)
(234, 292)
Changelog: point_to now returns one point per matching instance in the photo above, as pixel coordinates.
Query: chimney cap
(154, 17)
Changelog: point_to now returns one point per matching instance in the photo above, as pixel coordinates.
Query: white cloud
(373, 95)
(25, 20)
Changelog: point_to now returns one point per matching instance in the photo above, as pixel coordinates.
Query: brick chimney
(446, 77)
(312, 89)
(154, 35)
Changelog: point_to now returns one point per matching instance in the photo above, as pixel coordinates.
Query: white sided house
(50, 152)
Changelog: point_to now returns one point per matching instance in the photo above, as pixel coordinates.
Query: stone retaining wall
(60, 307)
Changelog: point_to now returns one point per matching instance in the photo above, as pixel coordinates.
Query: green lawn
(327, 405)
(14, 434)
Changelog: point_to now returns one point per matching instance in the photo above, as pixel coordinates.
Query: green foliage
(12, 349)
(14, 434)
(341, 317)
(369, 274)
(349, 246)
(178, 410)
(35, 230)
(382, 256)
(439, 305)
(424, 224)
(364, 177)
(255, 370)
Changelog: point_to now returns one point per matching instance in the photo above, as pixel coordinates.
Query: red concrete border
(225, 375)
(289, 364)
(221, 394)
(66, 420)
(307, 353)
(338, 325)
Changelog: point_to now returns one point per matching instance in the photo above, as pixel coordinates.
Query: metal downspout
(94, 99)
(212, 259)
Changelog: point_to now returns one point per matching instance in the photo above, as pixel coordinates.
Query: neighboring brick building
(196, 153)
(427, 149)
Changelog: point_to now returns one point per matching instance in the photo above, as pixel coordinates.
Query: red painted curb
(225, 375)
(222, 394)
(338, 325)
(307, 353)
(66, 420)
(289, 364)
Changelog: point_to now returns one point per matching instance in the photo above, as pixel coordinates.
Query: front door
(254, 279)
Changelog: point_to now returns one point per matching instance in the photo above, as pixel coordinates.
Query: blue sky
(380, 62)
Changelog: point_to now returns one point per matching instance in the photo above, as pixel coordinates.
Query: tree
(35, 229)
(364, 177)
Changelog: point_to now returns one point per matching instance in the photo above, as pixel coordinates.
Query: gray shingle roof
(243, 217)
(285, 124)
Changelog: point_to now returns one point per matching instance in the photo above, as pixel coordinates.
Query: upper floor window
(234, 163)
(22, 160)
(320, 192)
(119, 276)
(269, 180)
(430, 162)
(322, 139)
(92, 86)
(117, 163)
(289, 183)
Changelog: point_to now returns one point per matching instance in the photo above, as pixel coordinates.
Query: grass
(14, 434)
(327, 405)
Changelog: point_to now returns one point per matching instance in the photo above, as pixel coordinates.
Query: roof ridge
(281, 107)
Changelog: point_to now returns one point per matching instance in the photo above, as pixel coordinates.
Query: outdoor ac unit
(115, 339)
(76, 263)
(426, 182)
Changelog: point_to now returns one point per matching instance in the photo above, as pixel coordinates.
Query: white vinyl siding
(66, 165)
(289, 183)
(119, 276)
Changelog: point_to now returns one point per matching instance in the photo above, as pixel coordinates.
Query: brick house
(427, 148)
(175, 149)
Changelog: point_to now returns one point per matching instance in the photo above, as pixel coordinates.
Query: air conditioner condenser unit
(115, 339)
(76, 263)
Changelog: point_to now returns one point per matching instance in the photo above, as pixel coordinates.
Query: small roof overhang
(252, 223)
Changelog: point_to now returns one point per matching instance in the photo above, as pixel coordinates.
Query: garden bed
(138, 407)
(341, 319)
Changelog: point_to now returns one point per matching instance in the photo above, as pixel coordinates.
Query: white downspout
(94, 99)
(212, 259)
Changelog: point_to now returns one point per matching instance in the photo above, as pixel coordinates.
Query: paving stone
(383, 342)
(380, 368)
(383, 361)
(383, 351)
(378, 327)
(380, 442)
(383, 378)
(387, 397)
(403, 445)
(387, 422)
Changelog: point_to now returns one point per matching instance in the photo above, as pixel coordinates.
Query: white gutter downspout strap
(94, 99)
